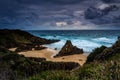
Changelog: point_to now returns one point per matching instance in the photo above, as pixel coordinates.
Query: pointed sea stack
(69, 49)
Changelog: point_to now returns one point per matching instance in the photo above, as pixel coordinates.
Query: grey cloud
(39, 13)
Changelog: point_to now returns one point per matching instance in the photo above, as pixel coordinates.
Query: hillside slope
(15, 38)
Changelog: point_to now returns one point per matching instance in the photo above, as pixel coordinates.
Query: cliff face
(69, 49)
(15, 38)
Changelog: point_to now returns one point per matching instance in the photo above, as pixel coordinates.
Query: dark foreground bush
(109, 70)
(55, 75)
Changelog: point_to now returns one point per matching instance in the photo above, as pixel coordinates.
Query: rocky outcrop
(29, 47)
(104, 53)
(109, 52)
(92, 56)
(69, 49)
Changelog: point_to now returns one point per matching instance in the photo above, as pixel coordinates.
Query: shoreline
(49, 53)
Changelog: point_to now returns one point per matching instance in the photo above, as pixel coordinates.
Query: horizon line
(58, 29)
(65, 29)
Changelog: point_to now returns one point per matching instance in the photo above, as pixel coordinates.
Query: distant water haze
(85, 39)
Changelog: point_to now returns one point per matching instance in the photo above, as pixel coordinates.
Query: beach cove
(49, 53)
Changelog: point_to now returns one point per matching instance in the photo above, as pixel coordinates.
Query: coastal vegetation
(97, 67)
(103, 63)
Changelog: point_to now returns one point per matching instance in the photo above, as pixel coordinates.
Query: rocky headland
(22, 40)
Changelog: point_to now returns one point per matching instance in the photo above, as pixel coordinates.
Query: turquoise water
(86, 39)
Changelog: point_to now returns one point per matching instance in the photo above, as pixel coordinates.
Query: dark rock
(109, 52)
(55, 48)
(69, 49)
(39, 48)
(105, 54)
(117, 44)
(92, 56)
(118, 37)
(29, 47)
(23, 48)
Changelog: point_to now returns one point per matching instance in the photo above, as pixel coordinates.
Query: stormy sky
(59, 14)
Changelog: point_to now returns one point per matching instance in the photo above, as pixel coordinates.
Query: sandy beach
(49, 53)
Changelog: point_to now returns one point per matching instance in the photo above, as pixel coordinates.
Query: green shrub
(54, 75)
(108, 70)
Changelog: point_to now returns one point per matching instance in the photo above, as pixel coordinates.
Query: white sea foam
(87, 40)
(104, 39)
(86, 45)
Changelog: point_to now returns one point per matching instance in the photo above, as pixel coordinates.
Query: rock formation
(69, 49)
(29, 47)
(109, 52)
(104, 53)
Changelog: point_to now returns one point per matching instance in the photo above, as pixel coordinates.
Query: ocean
(88, 40)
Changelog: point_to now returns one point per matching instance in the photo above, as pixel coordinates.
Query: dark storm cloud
(111, 1)
(45, 14)
(14, 12)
